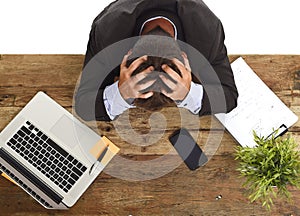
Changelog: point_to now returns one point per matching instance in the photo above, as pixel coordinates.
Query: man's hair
(160, 50)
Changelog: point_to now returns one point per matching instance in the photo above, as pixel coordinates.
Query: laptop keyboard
(46, 156)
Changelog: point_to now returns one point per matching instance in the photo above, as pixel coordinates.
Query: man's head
(160, 50)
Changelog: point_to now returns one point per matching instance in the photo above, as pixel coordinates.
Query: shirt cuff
(193, 100)
(113, 101)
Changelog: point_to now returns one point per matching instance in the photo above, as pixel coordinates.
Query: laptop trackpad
(67, 131)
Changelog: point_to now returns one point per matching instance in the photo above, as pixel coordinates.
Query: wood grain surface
(177, 192)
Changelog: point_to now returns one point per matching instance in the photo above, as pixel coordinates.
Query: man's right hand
(129, 86)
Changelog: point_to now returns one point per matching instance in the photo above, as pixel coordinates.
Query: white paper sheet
(258, 109)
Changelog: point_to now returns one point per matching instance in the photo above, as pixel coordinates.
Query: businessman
(189, 21)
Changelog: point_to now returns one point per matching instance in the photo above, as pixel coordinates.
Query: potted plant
(269, 168)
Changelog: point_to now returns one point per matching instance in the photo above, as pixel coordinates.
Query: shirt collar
(158, 17)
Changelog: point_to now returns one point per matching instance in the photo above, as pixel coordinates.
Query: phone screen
(188, 149)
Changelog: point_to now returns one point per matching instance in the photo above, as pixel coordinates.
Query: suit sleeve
(89, 103)
(220, 96)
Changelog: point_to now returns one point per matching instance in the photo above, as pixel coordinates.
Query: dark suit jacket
(197, 26)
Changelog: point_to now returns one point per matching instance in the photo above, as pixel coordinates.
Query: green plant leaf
(273, 162)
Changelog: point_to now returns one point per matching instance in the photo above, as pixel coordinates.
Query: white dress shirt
(116, 105)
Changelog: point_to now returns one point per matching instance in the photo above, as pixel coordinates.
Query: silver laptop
(44, 149)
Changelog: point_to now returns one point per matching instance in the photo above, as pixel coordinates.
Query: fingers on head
(125, 59)
(175, 76)
(134, 65)
(146, 95)
(144, 73)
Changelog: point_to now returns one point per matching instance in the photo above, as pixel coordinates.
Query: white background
(62, 26)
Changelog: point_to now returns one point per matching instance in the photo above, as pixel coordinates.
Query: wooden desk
(181, 191)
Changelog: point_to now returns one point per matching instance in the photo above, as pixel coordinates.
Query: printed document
(259, 109)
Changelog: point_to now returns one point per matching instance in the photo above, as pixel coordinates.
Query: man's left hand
(180, 85)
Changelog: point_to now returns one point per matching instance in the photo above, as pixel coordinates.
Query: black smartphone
(188, 149)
